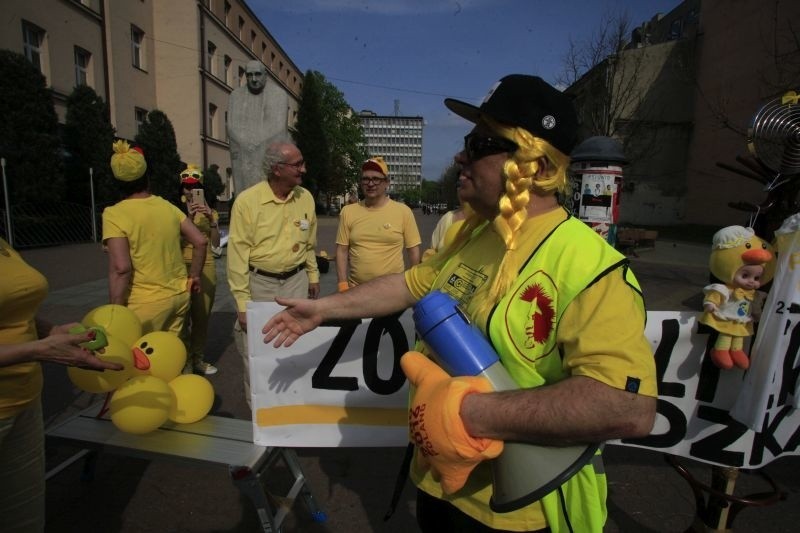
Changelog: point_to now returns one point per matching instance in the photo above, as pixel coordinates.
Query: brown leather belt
(279, 275)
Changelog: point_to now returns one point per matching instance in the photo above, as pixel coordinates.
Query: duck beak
(140, 360)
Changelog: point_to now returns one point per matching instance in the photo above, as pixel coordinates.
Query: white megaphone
(523, 473)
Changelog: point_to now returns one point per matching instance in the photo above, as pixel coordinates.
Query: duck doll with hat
(742, 262)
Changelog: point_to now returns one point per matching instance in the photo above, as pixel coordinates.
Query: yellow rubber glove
(435, 425)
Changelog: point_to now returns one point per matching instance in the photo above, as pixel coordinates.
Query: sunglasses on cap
(477, 146)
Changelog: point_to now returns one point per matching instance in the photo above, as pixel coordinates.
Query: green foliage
(157, 139)
(329, 135)
(212, 182)
(449, 182)
(28, 132)
(88, 136)
(310, 138)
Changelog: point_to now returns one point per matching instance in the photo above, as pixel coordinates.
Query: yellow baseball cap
(377, 164)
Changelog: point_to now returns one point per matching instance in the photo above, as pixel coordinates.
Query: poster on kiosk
(596, 175)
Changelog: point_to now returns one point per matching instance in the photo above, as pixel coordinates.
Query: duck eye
(748, 245)
(143, 346)
(149, 351)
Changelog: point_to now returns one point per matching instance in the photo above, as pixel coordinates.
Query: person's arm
(343, 249)
(55, 346)
(239, 246)
(312, 270)
(573, 411)
(342, 258)
(213, 223)
(119, 269)
(378, 297)
(605, 353)
(199, 244)
(413, 255)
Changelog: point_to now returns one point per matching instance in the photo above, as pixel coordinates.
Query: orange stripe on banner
(330, 414)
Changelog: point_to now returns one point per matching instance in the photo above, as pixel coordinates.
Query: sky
(419, 52)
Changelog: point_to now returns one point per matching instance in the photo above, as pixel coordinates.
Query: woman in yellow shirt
(25, 341)
(207, 221)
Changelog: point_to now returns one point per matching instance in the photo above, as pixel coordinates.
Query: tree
(329, 135)
(310, 137)
(157, 140)
(608, 39)
(212, 182)
(345, 139)
(28, 132)
(88, 136)
(639, 94)
(449, 183)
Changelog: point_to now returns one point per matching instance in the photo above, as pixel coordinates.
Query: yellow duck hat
(192, 174)
(735, 246)
(127, 164)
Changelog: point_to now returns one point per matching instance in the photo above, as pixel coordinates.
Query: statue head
(256, 74)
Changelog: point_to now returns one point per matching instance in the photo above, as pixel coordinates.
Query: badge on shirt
(304, 224)
(295, 247)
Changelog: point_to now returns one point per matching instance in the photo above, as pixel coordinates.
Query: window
(227, 64)
(675, 29)
(140, 115)
(242, 77)
(252, 40)
(137, 47)
(227, 139)
(82, 61)
(33, 44)
(241, 29)
(212, 58)
(272, 61)
(264, 53)
(212, 120)
(227, 10)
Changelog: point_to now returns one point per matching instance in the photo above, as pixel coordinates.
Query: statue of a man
(257, 116)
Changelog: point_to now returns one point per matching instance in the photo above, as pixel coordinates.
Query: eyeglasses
(477, 146)
(370, 180)
(297, 166)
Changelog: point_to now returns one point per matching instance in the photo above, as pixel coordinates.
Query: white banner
(342, 386)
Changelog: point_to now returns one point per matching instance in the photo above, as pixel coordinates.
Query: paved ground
(352, 485)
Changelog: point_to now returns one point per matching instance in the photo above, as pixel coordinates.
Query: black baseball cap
(530, 103)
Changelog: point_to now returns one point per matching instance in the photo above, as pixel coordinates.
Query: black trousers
(438, 516)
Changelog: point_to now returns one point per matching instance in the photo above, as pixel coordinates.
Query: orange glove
(435, 425)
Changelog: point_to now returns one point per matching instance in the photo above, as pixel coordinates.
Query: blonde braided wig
(518, 173)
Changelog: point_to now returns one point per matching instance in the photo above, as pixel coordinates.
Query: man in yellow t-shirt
(373, 233)
(142, 234)
(557, 304)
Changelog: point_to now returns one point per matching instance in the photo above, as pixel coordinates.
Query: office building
(183, 57)
(398, 140)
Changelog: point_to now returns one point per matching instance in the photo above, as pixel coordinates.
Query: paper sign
(342, 386)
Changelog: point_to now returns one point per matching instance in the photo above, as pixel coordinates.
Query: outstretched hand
(299, 317)
(435, 424)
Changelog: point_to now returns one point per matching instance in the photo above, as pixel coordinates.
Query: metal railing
(33, 225)
(29, 225)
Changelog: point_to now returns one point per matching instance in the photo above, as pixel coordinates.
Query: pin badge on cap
(548, 122)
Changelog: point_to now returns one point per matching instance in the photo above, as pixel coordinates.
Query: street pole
(94, 214)
(9, 236)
